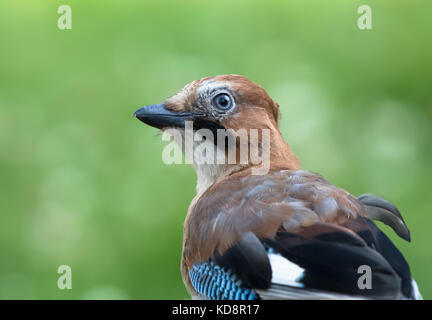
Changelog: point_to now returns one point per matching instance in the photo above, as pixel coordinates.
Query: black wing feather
(248, 259)
(333, 265)
(382, 210)
(376, 239)
(330, 255)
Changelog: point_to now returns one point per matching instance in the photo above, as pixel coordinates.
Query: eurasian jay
(285, 234)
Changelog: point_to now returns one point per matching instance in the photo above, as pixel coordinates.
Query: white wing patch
(285, 272)
(417, 294)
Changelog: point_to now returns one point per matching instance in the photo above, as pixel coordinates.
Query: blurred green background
(82, 183)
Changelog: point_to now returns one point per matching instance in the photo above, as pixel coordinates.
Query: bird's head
(229, 103)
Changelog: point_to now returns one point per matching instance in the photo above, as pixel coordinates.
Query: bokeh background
(82, 183)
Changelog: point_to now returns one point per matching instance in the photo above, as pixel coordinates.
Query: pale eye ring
(222, 101)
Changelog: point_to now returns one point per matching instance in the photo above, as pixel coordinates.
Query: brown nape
(258, 118)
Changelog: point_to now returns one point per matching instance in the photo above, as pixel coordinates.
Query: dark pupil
(223, 101)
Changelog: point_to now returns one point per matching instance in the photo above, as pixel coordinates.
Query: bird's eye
(222, 101)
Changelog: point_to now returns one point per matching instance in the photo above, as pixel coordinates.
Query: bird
(285, 233)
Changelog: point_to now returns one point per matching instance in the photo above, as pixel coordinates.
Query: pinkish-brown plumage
(231, 201)
(289, 200)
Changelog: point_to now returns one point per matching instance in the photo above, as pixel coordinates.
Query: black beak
(157, 116)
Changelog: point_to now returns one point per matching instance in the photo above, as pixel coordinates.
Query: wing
(321, 262)
(293, 236)
(339, 261)
(384, 211)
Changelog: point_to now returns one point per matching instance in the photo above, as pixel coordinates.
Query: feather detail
(285, 272)
(211, 281)
(382, 210)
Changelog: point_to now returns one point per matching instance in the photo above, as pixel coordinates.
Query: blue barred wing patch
(211, 281)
